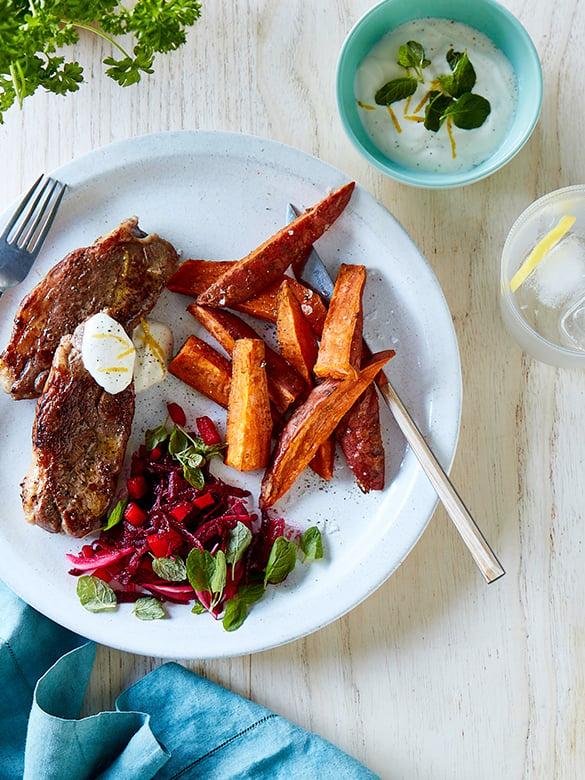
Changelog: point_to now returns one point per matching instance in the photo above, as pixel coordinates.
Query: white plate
(216, 196)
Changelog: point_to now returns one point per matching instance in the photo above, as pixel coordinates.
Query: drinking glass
(546, 314)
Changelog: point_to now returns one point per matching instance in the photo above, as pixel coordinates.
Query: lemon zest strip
(394, 119)
(115, 336)
(126, 352)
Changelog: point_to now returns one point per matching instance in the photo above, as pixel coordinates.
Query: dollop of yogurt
(108, 353)
(153, 342)
(114, 359)
(413, 146)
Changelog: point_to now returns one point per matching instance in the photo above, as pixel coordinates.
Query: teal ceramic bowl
(488, 17)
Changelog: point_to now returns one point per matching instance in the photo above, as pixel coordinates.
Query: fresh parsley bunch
(33, 31)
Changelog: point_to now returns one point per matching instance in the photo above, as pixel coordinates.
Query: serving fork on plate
(27, 229)
(316, 276)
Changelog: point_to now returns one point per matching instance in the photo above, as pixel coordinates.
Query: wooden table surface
(436, 675)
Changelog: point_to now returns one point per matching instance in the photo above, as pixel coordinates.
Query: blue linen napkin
(171, 724)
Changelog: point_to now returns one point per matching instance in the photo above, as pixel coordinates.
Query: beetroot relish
(166, 516)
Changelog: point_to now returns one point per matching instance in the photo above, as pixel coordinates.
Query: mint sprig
(190, 451)
(412, 55)
(450, 96)
(453, 99)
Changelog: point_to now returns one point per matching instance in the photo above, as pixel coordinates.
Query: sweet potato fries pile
(317, 389)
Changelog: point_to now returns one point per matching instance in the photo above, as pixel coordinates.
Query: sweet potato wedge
(195, 276)
(359, 433)
(360, 437)
(323, 461)
(266, 263)
(204, 369)
(340, 331)
(311, 424)
(284, 383)
(249, 423)
(299, 347)
(297, 342)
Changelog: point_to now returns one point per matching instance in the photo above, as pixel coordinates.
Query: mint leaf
(194, 476)
(156, 436)
(218, 578)
(395, 90)
(178, 442)
(238, 541)
(412, 55)
(236, 611)
(435, 110)
(170, 569)
(198, 608)
(238, 607)
(116, 515)
(469, 111)
(281, 561)
(149, 608)
(95, 594)
(198, 571)
(463, 78)
(452, 58)
(311, 544)
(207, 573)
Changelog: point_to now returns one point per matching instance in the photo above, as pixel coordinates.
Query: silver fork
(23, 236)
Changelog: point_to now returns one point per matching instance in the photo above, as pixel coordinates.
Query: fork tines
(32, 220)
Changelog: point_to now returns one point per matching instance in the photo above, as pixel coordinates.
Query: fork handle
(473, 538)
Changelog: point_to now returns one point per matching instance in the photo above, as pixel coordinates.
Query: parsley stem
(17, 78)
(101, 34)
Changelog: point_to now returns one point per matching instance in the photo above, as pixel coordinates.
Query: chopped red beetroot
(134, 514)
(204, 501)
(137, 486)
(207, 430)
(177, 414)
(163, 544)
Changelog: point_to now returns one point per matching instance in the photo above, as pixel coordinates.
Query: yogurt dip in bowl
(438, 93)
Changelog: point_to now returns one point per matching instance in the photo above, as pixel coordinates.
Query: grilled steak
(80, 434)
(124, 271)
